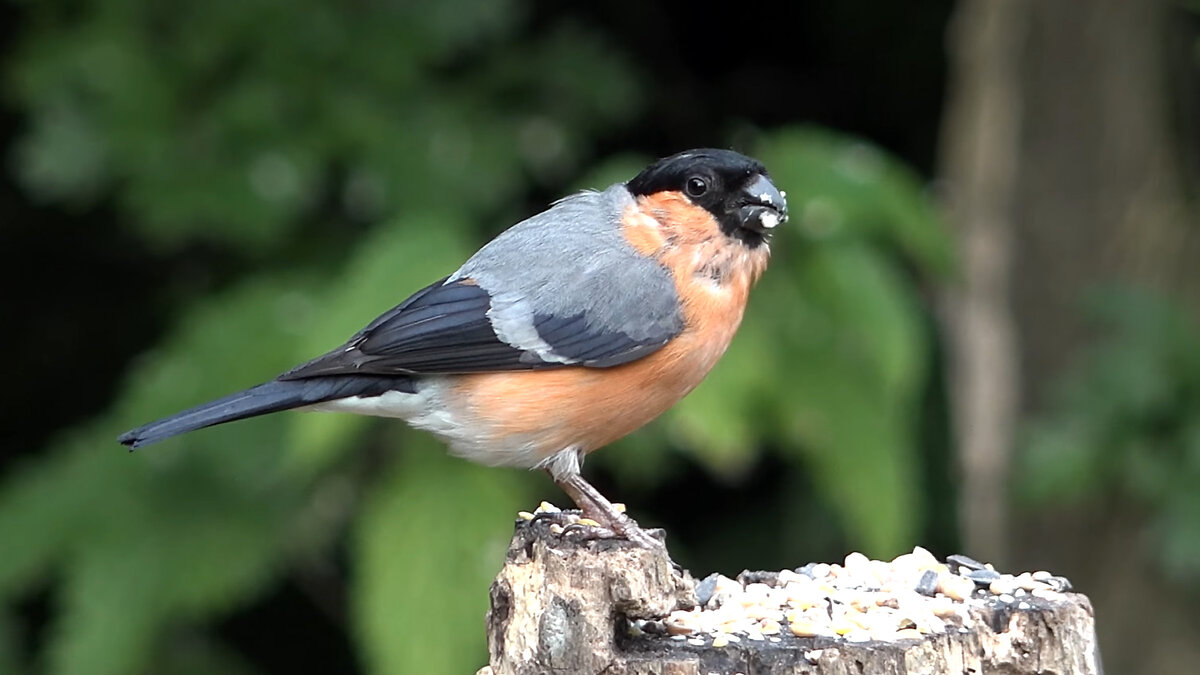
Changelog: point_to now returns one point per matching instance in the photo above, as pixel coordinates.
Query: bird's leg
(595, 506)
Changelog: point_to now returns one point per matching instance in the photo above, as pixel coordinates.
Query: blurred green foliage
(240, 125)
(1127, 425)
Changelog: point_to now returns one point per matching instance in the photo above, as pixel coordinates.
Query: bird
(567, 331)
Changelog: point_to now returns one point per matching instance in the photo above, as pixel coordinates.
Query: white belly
(428, 410)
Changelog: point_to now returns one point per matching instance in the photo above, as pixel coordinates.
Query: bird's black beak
(762, 206)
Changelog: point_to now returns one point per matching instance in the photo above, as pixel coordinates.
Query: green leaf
(842, 186)
(1125, 422)
(88, 640)
(10, 642)
(184, 529)
(196, 654)
(430, 539)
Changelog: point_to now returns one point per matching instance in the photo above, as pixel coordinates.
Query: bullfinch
(565, 333)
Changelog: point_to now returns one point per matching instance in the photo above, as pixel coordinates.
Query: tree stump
(568, 604)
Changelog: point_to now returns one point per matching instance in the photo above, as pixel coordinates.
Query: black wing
(445, 328)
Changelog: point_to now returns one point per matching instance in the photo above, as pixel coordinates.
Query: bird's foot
(599, 524)
(648, 539)
(591, 527)
(605, 516)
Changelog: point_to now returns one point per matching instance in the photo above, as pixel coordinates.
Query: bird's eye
(696, 186)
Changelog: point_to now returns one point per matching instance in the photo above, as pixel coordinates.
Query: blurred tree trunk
(1063, 168)
(980, 158)
(1101, 191)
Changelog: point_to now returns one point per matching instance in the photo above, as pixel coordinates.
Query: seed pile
(860, 600)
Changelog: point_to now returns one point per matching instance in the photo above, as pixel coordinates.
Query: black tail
(268, 397)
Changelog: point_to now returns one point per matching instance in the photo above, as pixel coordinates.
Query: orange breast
(586, 408)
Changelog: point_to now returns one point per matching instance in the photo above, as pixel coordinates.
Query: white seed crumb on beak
(769, 219)
(783, 193)
(765, 198)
